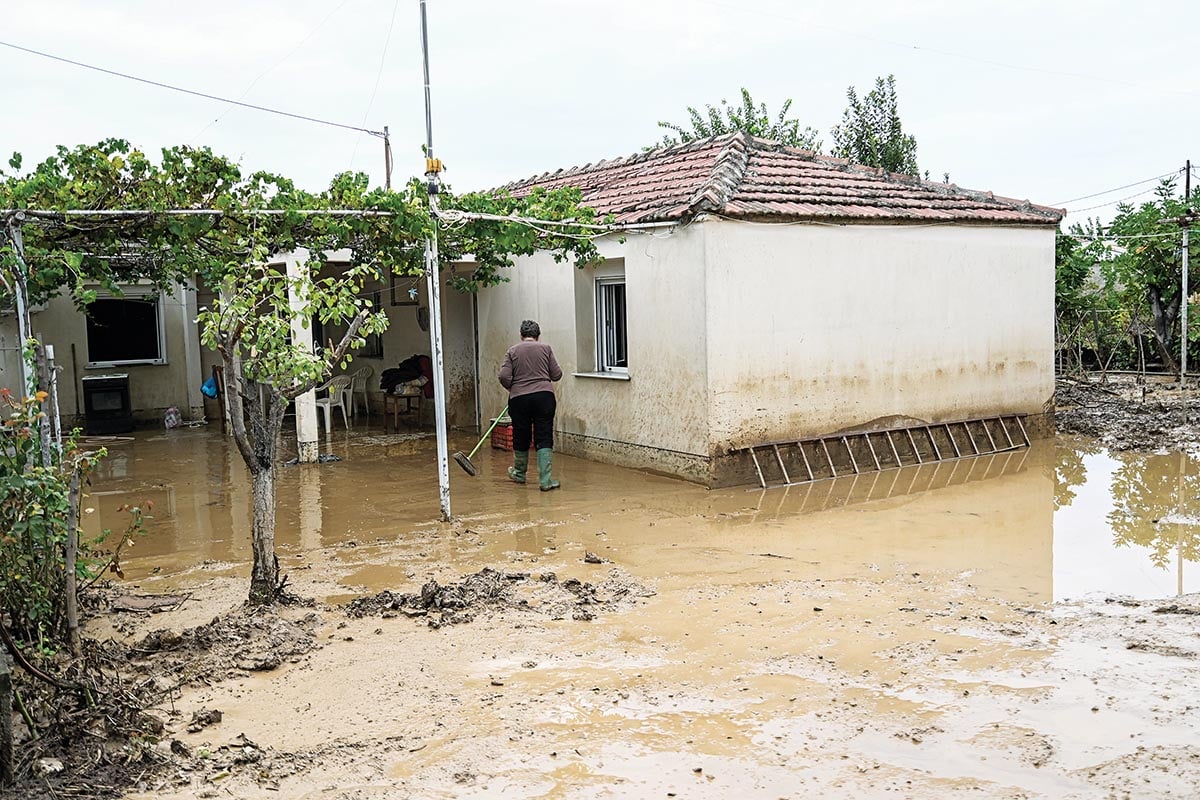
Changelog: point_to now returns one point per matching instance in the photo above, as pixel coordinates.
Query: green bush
(36, 522)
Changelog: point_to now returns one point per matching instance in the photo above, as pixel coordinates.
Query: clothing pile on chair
(412, 374)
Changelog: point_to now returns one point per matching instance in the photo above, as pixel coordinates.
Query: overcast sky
(1041, 99)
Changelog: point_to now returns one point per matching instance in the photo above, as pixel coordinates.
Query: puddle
(1126, 524)
(887, 632)
(1062, 521)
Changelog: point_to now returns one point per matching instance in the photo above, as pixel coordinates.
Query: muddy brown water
(1062, 521)
(864, 636)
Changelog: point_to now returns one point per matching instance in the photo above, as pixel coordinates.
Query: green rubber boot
(545, 457)
(519, 467)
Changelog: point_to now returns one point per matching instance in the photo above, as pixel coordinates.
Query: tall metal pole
(432, 280)
(1183, 303)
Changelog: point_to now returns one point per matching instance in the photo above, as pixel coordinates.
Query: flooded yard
(1000, 625)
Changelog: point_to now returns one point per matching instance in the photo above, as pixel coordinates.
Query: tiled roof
(744, 177)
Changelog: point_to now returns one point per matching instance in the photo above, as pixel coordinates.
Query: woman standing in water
(529, 372)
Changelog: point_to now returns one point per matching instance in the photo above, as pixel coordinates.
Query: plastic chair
(362, 379)
(337, 391)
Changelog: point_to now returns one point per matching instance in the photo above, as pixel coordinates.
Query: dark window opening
(122, 330)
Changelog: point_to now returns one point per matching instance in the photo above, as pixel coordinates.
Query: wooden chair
(337, 391)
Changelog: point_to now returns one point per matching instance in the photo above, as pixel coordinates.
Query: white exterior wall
(152, 387)
(814, 329)
(664, 404)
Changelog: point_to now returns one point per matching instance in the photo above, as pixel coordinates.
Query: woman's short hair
(530, 330)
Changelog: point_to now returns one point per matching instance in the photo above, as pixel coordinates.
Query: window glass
(123, 329)
(612, 334)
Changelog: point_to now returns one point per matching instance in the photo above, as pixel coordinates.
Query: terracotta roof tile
(742, 176)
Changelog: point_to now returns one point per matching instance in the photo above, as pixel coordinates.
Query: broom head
(465, 463)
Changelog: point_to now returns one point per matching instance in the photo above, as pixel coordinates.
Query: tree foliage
(871, 132)
(232, 241)
(1144, 269)
(747, 117)
(1078, 253)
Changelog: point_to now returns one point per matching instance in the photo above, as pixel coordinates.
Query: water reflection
(903, 482)
(1126, 524)
(1060, 521)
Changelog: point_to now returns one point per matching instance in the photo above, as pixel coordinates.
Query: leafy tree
(1145, 271)
(871, 132)
(232, 241)
(748, 117)
(1076, 253)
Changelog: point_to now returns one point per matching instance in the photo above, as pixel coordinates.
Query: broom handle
(495, 422)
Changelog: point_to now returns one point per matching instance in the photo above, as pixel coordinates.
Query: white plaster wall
(815, 328)
(663, 405)
(152, 387)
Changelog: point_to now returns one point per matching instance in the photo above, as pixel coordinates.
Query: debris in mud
(149, 603)
(324, 458)
(246, 640)
(1160, 649)
(203, 718)
(1124, 415)
(493, 590)
(1175, 608)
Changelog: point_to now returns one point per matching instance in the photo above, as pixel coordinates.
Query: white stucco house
(756, 296)
(762, 294)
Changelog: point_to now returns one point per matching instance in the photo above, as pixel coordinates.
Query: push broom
(464, 460)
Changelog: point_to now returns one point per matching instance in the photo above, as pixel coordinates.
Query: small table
(391, 405)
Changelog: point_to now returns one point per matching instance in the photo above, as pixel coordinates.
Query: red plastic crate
(502, 437)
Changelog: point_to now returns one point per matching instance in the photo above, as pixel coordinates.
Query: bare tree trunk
(264, 577)
(1163, 317)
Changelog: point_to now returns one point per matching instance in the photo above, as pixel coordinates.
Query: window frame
(133, 293)
(602, 343)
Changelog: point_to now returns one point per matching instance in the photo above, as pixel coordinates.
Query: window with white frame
(612, 331)
(126, 329)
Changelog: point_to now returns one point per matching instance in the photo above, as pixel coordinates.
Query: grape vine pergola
(107, 216)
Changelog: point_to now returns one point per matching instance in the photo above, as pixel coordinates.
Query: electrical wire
(378, 75)
(1117, 236)
(192, 92)
(1111, 202)
(1119, 188)
(319, 26)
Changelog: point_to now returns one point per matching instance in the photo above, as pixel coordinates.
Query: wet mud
(1123, 413)
(984, 626)
(490, 590)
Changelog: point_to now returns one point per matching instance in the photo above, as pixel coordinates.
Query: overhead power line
(1118, 188)
(1110, 202)
(192, 92)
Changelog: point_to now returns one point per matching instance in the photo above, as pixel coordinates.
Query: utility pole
(387, 159)
(432, 279)
(1187, 218)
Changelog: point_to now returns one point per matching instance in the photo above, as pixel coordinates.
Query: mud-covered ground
(1125, 414)
(893, 635)
(913, 686)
